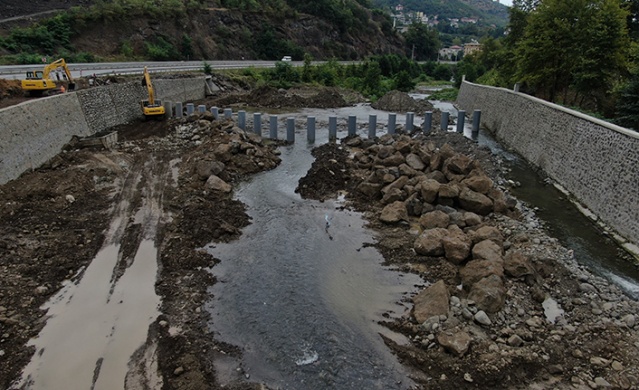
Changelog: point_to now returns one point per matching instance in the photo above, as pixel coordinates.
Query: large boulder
(394, 213)
(430, 302)
(456, 245)
(479, 183)
(516, 264)
(488, 250)
(487, 233)
(455, 342)
(475, 202)
(369, 189)
(393, 195)
(429, 189)
(459, 164)
(415, 162)
(489, 294)
(429, 243)
(477, 270)
(397, 184)
(434, 219)
(216, 184)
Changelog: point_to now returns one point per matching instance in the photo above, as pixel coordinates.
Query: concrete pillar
(444, 124)
(352, 125)
(216, 112)
(476, 120)
(392, 120)
(168, 109)
(410, 116)
(310, 129)
(372, 126)
(272, 134)
(257, 123)
(516, 87)
(461, 119)
(228, 113)
(290, 129)
(241, 119)
(179, 111)
(201, 108)
(332, 128)
(190, 109)
(428, 122)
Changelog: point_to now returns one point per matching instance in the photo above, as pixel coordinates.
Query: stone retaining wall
(594, 160)
(33, 132)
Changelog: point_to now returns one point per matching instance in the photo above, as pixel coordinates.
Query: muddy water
(98, 322)
(302, 300)
(592, 249)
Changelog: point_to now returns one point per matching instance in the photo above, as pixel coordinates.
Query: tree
(572, 45)
(628, 106)
(422, 42)
(403, 82)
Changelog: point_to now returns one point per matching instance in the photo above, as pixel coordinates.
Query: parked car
(287, 59)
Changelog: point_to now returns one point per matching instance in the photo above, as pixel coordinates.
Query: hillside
(488, 11)
(215, 30)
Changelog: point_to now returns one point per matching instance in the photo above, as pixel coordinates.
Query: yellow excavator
(151, 108)
(39, 81)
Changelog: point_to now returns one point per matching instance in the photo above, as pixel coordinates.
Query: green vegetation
(577, 53)
(446, 94)
(373, 78)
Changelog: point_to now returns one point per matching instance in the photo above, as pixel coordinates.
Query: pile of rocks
(447, 193)
(504, 303)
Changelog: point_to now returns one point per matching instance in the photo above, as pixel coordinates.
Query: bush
(162, 50)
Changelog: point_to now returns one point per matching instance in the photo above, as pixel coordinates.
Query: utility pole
(412, 54)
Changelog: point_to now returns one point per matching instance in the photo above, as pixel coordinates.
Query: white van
(287, 59)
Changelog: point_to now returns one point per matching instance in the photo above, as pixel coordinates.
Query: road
(16, 72)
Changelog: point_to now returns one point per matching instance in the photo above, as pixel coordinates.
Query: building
(471, 47)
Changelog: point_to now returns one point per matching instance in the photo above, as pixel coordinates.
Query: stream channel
(302, 302)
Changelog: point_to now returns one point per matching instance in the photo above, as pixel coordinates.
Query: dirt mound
(270, 97)
(10, 88)
(328, 174)
(396, 101)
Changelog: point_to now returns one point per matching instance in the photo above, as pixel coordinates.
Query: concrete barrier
(597, 162)
(33, 132)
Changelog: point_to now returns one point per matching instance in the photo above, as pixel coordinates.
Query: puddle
(107, 327)
(98, 323)
(302, 307)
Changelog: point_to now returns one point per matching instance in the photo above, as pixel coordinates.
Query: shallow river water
(302, 300)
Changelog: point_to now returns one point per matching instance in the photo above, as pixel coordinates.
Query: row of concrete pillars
(227, 113)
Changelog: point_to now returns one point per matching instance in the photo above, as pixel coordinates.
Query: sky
(506, 2)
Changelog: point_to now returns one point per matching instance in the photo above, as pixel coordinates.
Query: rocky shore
(506, 306)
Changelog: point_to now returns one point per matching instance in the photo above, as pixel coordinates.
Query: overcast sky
(506, 2)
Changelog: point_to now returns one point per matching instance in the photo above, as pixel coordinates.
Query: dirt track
(156, 186)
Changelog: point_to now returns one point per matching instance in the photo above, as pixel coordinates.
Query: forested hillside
(198, 29)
